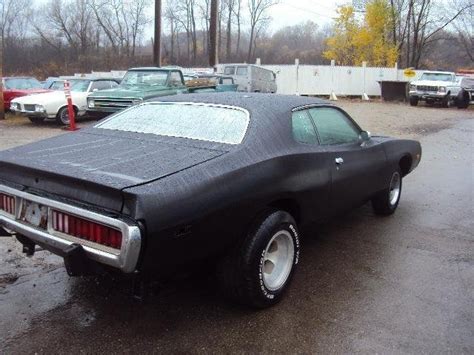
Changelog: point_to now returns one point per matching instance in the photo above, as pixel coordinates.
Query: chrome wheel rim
(65, 117)
(278, 260)
(394, 188)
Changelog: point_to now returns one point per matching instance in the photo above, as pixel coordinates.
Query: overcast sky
(290, 12)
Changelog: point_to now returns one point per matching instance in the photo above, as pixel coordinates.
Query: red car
(19, 86)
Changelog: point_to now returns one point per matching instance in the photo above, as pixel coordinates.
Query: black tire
(241, 274)
(413, 101)
(383, 202)
(462, 100)
(62, 117)
(36, 120)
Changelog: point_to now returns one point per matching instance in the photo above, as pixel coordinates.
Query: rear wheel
(258, 272)
(36, 120)
(447, 103)
(413, 101)
(386, 201)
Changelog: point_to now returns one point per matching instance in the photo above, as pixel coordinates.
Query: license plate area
(34, 214)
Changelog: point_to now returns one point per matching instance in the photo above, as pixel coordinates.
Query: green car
(137, 85)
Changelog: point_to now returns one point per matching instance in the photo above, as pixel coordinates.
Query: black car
(223, 177)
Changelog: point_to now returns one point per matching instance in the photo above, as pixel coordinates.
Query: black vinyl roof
(255, 103)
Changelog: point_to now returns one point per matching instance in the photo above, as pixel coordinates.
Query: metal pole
(2, 108)
(213, 38)
(157, 38)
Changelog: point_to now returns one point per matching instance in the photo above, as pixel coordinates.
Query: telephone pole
(213, 54)
(157, 39)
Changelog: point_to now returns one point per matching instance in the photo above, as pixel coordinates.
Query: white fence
(323, 80)
(318, 79)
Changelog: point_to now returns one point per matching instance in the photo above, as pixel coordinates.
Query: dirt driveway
(402, 284)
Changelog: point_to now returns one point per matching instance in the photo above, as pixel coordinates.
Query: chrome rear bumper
(124, 259)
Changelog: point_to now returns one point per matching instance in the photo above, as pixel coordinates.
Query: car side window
(241, 71)
(302, 128)
(175, 79)
(229, 70)
(333, 126)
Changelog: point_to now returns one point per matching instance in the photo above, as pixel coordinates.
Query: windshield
(22, 83)
(145, 77)
(76, 85)
(79, 85)
(436, 77)
(193, 121)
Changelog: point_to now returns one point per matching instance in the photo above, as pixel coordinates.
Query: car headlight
(39, 108)
(412, 87)
(137, 101)
(14, 106)
(90, 103)
(442, 89)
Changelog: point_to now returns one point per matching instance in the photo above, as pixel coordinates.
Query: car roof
(265, 109)
(438, 72)
(96, 78)
(154, 68)
(19, 77)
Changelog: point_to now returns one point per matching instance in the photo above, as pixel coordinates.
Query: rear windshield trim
(187, 103)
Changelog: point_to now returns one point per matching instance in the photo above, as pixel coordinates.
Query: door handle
(339, 160)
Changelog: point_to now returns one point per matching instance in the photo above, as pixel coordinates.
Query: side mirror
(364, 136)
(94, 90)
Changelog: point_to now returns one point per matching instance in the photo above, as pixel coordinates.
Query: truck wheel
(36, 120)
(62, 116)
(447, 103)
(386, 201)
(258, 272)
(462, 100)
(413, 101)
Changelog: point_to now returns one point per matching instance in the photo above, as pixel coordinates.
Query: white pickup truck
(435, 87)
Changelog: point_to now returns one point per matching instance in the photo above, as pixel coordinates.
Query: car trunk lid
(95, 167)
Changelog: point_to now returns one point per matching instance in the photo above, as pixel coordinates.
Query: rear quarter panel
(204, 211)
(396, 149)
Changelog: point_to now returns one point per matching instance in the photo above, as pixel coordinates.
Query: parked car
(54, 105)
(14, 87)
(465, 91)
(140, 84)
(250, 78)
(225, 177)
(433, 87)
(215, 83)
(222, 83)
(49, 82)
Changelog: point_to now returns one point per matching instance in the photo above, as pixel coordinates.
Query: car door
(311, 166)
(356, 166)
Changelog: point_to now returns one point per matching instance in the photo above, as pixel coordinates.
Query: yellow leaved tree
(369, 41)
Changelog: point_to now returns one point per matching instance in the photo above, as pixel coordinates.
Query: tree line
(413, 33)
(56, 37)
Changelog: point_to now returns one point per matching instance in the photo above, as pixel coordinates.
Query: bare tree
(464, 26)
(257, 11)
(14, 16)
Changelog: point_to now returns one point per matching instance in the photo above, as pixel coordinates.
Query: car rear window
(221, 124)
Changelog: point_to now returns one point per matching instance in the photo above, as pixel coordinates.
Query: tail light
(85, 229)
(7, 203)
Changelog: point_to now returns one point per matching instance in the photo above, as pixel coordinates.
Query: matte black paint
(197, 198)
